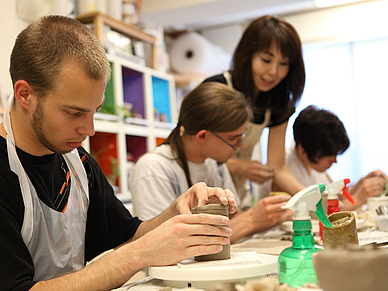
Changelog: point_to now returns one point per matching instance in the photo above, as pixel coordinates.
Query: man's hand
(268, 212)
(377, 173)
(182, 237)
(264, 214)
(200, 194)
(370, 187)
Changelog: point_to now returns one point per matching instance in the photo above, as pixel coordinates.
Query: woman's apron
(252, 137)
(55, 240)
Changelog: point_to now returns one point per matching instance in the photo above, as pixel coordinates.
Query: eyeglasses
(236, 146)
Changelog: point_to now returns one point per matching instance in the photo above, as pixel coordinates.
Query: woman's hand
(252, 170)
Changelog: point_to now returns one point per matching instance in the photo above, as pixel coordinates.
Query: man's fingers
(203, 218)
(204, 194)
(225, 197)
(220, 194)
(201, 193)
(209, 240)
(287, 215)
(276, 208)
(231, 201)
(202, 225)
(196, 250)
(275, 203)
(276, 199)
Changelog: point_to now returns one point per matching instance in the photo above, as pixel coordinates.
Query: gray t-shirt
(157, 180)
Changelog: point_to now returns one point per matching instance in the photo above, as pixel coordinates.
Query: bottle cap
(305, 200)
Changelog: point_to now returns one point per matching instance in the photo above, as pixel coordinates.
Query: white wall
(10, 26)
(226, 37)
(359, 21)
(352, 22)
(150, 6)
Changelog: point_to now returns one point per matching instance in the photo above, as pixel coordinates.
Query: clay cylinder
(344, 230)
(217, 209)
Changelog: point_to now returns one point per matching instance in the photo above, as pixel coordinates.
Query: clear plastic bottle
(295, 266)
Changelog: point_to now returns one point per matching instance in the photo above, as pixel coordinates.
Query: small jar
(344, 230)
(216, 209)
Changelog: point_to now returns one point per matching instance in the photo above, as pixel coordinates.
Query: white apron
(252, 137)
(54, 239)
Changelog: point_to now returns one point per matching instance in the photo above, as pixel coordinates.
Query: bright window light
(328, 3)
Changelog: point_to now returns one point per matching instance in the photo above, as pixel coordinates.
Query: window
(350, 80)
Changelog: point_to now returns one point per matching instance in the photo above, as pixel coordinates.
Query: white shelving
(149, 91)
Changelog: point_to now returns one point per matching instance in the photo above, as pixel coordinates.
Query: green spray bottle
(295, 266)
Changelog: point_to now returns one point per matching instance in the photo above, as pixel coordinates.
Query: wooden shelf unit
(131, 31)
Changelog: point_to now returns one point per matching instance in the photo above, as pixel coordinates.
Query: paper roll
(193, 53)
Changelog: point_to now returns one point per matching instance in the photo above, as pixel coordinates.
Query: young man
(57, 209)
(212, 123)
(319, 137)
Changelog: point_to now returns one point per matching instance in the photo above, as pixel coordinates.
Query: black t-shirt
(278, 115)
(108, 225)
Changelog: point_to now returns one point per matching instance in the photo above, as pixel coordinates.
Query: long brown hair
(212, 106)
(258, 37)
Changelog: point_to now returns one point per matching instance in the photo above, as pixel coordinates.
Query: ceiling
(195, 14)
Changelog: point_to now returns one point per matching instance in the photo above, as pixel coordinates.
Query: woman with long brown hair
(268, 68)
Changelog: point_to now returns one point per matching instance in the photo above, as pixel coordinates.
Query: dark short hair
(257, 38)
(320, 133)
(41, 48)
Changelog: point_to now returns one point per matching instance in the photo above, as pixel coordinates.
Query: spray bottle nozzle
(346, 192)
(334, 189)
(308, 199)
(321, 215)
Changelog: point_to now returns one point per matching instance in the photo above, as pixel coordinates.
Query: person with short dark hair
(319, 137)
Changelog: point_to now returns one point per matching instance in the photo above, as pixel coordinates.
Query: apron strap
(16, 167)
(228, 76)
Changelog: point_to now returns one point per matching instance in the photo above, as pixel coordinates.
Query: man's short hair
(43, 46)
(320, 133)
